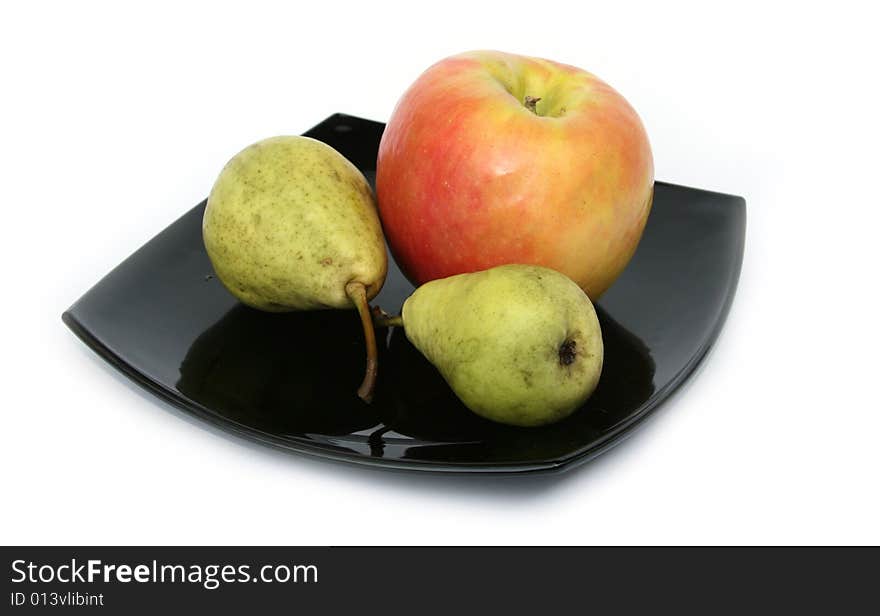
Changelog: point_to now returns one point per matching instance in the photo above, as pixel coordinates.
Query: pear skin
(518, 344)
(291, 224)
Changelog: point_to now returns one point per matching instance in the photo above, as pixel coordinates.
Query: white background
(115, 120)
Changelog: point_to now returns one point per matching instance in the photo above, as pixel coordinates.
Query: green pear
(292, 225)
(518, 344)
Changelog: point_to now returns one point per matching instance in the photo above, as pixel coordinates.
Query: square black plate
(289, 380)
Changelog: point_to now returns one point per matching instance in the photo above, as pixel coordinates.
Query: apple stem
(357, 293)
(531, 103)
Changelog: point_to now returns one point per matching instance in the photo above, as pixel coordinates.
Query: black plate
(289, 380)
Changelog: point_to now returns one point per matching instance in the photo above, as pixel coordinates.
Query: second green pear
(291, 224)
(518, 344)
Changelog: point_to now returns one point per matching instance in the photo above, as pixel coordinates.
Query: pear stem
(388, 321)
(383, 319)
(357, 293)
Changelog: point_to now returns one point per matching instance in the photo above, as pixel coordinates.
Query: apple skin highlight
(469, 178)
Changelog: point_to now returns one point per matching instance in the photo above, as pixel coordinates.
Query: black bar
(318, 580)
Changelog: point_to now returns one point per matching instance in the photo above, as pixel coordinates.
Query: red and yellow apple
(492, 158)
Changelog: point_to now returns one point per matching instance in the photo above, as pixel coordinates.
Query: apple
(492, 158)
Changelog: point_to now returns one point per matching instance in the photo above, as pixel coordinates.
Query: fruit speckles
(280, 216)
(287, 209)
(500, 336)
